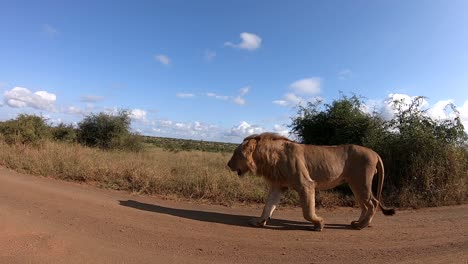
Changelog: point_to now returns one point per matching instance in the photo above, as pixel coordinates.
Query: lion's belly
(331, 183)
(327, 177)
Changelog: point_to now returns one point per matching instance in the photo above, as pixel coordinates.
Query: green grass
(174, 144)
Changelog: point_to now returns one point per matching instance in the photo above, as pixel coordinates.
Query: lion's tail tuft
(387, 211)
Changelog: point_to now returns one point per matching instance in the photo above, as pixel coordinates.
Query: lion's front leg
(274, 197)
(307, 195)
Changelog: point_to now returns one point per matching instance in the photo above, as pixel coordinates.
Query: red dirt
(49, 221)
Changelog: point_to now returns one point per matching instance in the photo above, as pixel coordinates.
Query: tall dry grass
(193, 175)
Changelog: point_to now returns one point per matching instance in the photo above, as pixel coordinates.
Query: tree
(25, 129)
(341, 122)
(108, 131)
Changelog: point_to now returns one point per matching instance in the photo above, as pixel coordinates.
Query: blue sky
(220, 70)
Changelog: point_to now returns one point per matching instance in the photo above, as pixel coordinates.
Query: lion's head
(257, 154)
(241, 160)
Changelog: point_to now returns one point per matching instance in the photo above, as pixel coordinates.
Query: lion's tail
(381, 174)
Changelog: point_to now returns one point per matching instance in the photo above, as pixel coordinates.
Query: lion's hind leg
(363, 194)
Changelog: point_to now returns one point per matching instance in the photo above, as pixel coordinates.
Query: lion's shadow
(222, 218)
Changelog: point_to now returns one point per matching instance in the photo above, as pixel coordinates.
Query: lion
(306, 168)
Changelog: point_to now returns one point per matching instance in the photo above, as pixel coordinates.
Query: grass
(174, 144)
(194, 175)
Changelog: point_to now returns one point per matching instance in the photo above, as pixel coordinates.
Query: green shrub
(65, 133)
(108, 131)
(25, 129)
(426, 160)
(340, 122)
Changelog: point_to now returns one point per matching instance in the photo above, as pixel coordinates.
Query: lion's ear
(248, 147)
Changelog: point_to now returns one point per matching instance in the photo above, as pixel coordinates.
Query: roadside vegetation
(426, 161)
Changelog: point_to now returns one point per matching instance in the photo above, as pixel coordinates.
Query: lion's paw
(257, 222)
(356, 225)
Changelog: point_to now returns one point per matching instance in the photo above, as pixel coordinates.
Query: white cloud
(163, 59)
(91, 98)
(387, 108)
(217, 96)
(138, 114)
(239, 100)
(463, 110)
(308, 86)
(185, 95)
(282, 130)
(210, 55)
(293, 99)
(245, 129)
(440, 110)
(20, 97)
(243, 91)
(166, 123)
(249, 41)
(281, 102)
(290, 99)
(304, 87)
(74, 110)
(189, 130)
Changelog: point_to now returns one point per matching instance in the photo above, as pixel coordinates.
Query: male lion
(305, 168)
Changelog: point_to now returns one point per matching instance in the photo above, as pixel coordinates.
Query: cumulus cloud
(185, 95)
(190, 130)
(281, 129)
(463, 110)
(164, 59)
(138, 114)
(249, 41)
(245, 129)
(20, 97)
(386, 107)
(440, 110)
(307, 86)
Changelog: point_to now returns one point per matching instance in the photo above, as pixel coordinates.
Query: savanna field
(425, 162)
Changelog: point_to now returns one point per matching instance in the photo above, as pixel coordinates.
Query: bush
(25, 129)
(108, 131)
(64, 133)
(426, 161)
(341, 122)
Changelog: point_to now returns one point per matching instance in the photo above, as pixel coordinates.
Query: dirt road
(48, 221)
